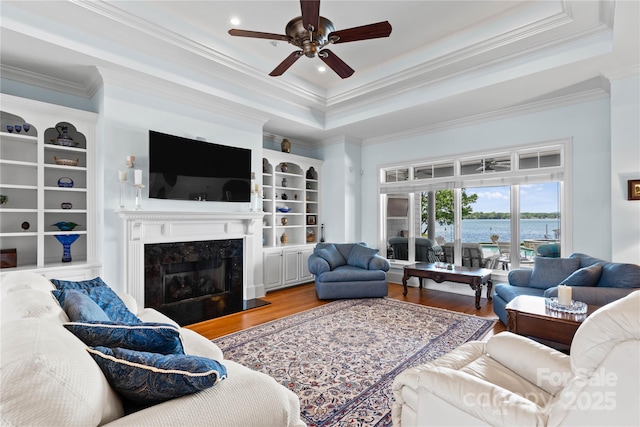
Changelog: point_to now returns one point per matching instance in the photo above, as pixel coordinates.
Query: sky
(533, 198)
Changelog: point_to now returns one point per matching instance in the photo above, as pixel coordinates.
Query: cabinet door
(304, 273)
(290, 266)
(273, 270)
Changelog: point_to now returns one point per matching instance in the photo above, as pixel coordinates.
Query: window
(503, 205)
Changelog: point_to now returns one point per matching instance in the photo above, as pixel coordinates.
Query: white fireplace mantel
(148, 227)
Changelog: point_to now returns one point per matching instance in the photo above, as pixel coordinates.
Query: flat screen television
(188, 169)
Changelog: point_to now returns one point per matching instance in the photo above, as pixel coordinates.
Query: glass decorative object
(66, 240)
(138, 188)
(576, 307)
(122, 177)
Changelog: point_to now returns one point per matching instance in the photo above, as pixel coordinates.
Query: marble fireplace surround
(149, 227)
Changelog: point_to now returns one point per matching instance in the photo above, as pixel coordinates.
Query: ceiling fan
(312, 32)
(493, 165)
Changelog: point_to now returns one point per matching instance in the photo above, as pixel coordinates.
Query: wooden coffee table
(474, 277)
(527, 315)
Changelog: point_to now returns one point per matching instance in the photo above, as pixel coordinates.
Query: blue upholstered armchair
(348, 270)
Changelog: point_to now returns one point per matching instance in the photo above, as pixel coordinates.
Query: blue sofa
(348, 270)
(592, 280)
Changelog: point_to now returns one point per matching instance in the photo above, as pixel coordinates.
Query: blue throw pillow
(79, 307)
(550, 272)
(149, 336)
(361, 255)
(587, 276)
(331, 254)
(63, 285)
(152, 378)
(108, 301)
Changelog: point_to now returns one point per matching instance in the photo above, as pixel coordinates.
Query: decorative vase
(284, 238)
(284, 196)
(285, 146)
(322, 233)
(284, 167)
(284, 220)
(311, 173)
(66, 240)
(284, 182)
(311, 236)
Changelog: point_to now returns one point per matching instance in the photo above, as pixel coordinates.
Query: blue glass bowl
(65, 225)
(65, 181)
(284, 209)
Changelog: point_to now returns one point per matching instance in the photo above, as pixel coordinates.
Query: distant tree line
(507, 215)
(444, 209)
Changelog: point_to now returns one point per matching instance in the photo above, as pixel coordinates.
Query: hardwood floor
(303, 297)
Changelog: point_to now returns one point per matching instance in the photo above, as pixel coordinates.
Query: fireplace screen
(194, 279)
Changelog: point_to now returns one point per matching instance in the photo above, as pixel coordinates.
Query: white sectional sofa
(49, 379)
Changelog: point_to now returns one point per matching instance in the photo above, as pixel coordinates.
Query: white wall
(625, 165)
(341, 191)
(126, 118)
(587, 124)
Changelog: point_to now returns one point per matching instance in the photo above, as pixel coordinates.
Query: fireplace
(165, 234)
(194, 281)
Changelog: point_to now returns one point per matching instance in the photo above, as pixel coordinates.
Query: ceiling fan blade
(365, 32)
(335, 63)
(310, 13)
(258, 35)
(284, 65)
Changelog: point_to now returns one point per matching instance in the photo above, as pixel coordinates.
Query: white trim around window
(532, 163)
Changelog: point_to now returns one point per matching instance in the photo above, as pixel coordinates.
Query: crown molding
(426, 71)
(632, 71)
(184, 95)
(85, 90)
(530, 108)
(112, 12)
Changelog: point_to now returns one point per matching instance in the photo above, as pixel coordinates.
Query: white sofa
(514, 381)
(49, 379)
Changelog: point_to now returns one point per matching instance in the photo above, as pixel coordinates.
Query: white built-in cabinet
(44, 185)
(289, 181)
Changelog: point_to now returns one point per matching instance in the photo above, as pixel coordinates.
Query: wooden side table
(527, 315)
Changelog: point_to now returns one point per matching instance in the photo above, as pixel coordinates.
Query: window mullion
(457, 226)
(515, 226)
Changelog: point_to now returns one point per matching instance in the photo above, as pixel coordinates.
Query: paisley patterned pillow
(63, 285)
(160, 338)
(108, 301)
(152, 378)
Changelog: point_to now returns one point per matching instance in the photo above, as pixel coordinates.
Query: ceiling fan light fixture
(301, 32)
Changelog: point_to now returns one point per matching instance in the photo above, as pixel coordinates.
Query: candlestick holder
(138, 188)
(122, 183)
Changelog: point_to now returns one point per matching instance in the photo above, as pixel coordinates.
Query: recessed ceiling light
(322, 69)
(235, 21)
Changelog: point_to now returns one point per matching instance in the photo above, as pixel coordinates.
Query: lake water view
(480, 230)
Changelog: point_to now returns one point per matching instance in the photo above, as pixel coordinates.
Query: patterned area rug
(341, 358)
